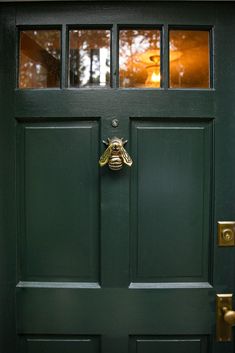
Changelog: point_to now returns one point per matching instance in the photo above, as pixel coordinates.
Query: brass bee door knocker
(115, 154)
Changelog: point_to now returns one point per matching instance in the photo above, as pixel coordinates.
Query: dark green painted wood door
(115, 262)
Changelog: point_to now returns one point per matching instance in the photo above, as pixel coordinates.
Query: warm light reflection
(139, 58)
(39, 59)
(192, 68)
(154, 74)
(89, 58)
(155, 77)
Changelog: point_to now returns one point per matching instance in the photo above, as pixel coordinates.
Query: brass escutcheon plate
(226, 233)
(223, 330)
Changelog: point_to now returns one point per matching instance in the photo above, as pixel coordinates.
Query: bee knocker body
(115, 154)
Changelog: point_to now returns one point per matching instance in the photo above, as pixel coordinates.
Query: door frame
(8, 212)
(31, 1)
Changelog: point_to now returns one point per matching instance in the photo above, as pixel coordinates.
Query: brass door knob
(229, 316)
(225, 317)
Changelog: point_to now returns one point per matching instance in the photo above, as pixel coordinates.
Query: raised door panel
(58, 189)
(171, 200)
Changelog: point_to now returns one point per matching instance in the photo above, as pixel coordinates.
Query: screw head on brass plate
(226, 233)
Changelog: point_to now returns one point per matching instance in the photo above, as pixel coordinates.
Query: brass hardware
(115, 123)
(115, 154)
(229, 316)
(226, 233)
(225, 317)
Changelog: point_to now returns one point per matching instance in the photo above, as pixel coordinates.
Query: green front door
(102, 261)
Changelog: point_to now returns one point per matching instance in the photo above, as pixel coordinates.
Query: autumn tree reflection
(89, 58)
(39, 61)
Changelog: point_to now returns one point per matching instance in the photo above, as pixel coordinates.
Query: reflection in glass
(39, 61)
(189, 59)
(140, 58)
(89, 58)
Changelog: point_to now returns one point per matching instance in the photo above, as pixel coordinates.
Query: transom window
(39, 59)
(189, 59)
(89, 58)
(141, 58)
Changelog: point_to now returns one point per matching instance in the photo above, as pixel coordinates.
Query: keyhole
(228, 235)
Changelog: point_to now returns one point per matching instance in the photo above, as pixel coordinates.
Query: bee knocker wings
(105, 156)
(126, 158)
(115, 154)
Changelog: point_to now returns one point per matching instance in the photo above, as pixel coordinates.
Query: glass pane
(189, 59)
(140, 58)
(39, 64)
(89, 58)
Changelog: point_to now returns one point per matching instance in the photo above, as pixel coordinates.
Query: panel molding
(169, 344)
(171, 285)
(59, 343)
(80, 285)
